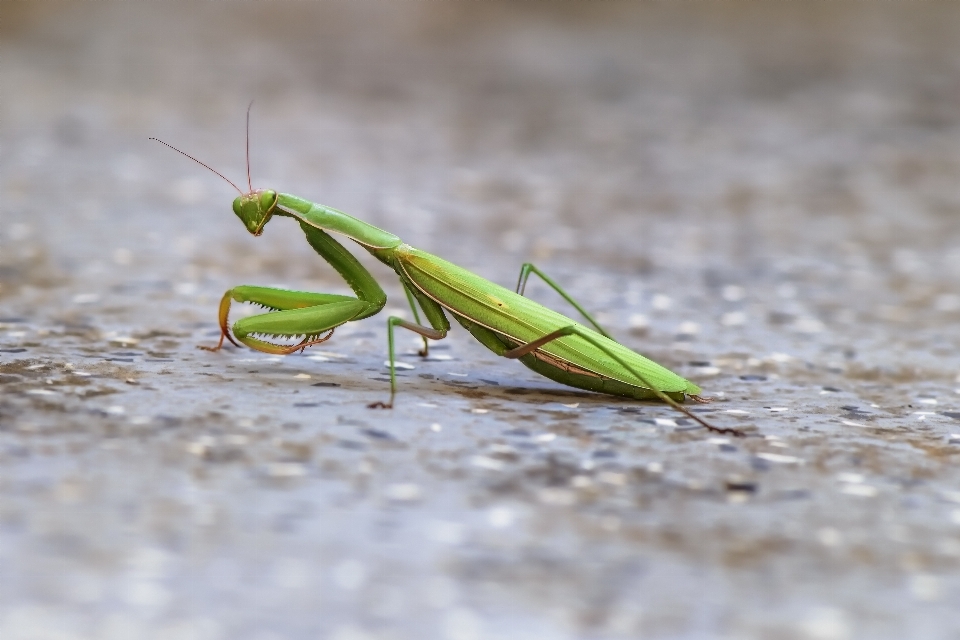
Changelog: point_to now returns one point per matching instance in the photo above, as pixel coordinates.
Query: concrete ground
(764, 197)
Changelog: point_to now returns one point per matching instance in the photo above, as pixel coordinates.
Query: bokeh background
(761, 195)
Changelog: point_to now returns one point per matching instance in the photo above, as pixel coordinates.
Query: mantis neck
(329, 219)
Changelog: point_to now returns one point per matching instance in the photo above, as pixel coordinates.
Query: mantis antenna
(203, 164)
(249, 182)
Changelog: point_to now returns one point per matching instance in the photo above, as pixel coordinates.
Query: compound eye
(267, 200)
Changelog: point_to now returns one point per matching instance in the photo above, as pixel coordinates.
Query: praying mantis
(504, 321)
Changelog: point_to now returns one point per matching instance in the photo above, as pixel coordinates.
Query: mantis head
(255, 208)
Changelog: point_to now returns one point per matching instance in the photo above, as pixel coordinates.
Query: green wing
(523, 320)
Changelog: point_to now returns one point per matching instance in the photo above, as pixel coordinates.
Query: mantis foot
(211, 349)
(724, 430)
(224, 333)
(728, 431)
(216, 348)
(380, 405)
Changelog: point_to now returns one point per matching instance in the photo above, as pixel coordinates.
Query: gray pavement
(762, 196)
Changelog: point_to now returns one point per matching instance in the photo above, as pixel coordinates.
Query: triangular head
(255, 209)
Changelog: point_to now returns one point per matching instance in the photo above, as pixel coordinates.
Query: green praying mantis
(504, 321)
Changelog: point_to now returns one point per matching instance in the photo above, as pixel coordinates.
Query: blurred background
(760, 195)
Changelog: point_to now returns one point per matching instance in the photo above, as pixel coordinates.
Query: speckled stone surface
(762, 196)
